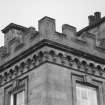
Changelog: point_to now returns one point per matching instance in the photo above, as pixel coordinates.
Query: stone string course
(52, 56)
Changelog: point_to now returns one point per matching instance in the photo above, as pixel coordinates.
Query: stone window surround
(16, 86)
(87, 81)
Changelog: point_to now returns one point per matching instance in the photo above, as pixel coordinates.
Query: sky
(28, 12)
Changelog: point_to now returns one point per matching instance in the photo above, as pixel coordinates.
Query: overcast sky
(28, 12)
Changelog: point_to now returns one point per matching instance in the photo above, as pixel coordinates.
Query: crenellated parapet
(18, 38)
(90, 40)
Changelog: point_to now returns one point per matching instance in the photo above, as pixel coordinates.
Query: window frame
(15, 97)
(15, 88)
(87, 80)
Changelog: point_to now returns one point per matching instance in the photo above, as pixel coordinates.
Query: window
(16, 93)
(86, 90)
(86, 95)
(17, 99)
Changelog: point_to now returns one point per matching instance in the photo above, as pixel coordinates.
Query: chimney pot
(97, 15)
(91, 19)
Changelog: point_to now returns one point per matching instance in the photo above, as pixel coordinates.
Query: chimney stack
(68, 30)
(46, 26)
(94, 18)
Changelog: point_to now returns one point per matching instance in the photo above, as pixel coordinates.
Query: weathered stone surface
(52, 62)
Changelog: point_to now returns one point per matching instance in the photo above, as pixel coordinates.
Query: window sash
(18, 98)
(86, 95)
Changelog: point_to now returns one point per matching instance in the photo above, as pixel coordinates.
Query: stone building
(46, 67)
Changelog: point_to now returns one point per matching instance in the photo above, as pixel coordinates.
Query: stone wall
(51, 61)
(18, 38)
